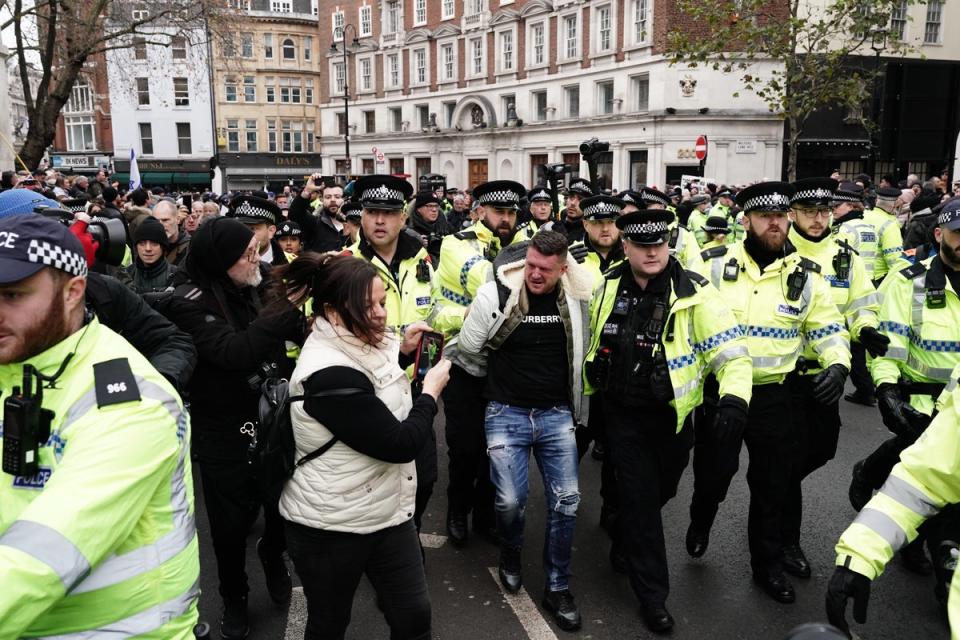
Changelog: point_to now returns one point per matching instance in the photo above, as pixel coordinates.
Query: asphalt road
(711, 597)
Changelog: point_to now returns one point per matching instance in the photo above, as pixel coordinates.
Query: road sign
(379, 156)
(701, 148)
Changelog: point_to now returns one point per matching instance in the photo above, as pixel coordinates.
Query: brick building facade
(84, 138)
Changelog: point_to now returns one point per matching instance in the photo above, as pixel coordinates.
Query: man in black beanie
(429, 224)
(219, 306)
(150, 272)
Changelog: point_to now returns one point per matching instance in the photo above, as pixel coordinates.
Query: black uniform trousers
(859, 375)
(816, 433)
(648, 458)
(768, 438)
(233, 497)
(469, 488)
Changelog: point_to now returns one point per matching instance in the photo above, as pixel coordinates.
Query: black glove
(579, 252)
(897, 414)
(843, 585)
(874, 341)
(730, 419)
(828, 384)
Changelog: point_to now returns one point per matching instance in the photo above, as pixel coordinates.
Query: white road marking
(296, 615)
(526, 611)
(432, 541)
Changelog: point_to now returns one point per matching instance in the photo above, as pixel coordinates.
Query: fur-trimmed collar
(577, 282)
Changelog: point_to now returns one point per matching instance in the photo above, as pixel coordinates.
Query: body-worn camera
(109, 233)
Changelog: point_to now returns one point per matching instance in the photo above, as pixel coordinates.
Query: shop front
(268, 171)
(172, 175)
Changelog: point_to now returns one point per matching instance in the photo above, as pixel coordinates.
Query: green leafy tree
(819, 45)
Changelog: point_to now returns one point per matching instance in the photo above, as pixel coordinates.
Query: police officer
(290, 239)
(541, 211)
(780, 300)
(818, 425)
(850, 227)
(919, 313)
(571, 218)
(889, 238)
(715, 231)
(723, 206)
(406, 270)
(698, 217)
(926, 478)
(465, 264)
(352, 213)
(96, 466)
(683, 244)
(656, 328)
(602, 240)
(261, 216)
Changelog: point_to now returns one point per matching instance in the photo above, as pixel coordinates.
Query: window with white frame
(249, 89)
(80, 133)
(396, 118)
(338, 78)
(604, 28)
(338, 22)
(233, 135)
(447, 63)
(310, 136)
(242, 5)
(230, 89)
(308, 91)
(423, 115)
(539, 106)
(391, 16)
(307, 48)
(393, 70)
(571, 99)
(369, 122)
(250, 132)
(605, 97)
(898, 20)
(571, 37)
(507, 100)
(181, 92)
(538, 50)
(448, 109)
(641, 21)
(473, 7)
(289, 49)
(291, 132)
(184, 142)
(419, 12)
(447, 9)
(246, 45)
(640, 89)
(272, 136)
(178, 48)
(419, 66)
(140, 14)
(268, 46)
(931, 32)
(366, 20)
(476, 56)
(140, 48)
(366, 74)
(146, 138)
(269, 89)
(81, 98)
(281, 6)
(506, 50)
(143, 92)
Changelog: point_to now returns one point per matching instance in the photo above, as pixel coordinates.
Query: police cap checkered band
(766, 196)
(494, 197)
(351, 210)
(50, 255)
(581, 187)
(251, 209)
(289, 229)
(950, 215)
(601, 207)
(502, 194)
(383, 192)
(813, 194)
(646, 228)
(539, 194)
(78, 204)
(631, 197)
(814, 191)
(652, 196)
(847, 196)
(767, 202)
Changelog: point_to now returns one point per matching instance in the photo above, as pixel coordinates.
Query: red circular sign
(701, 148)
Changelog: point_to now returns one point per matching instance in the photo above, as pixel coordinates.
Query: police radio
(841, 264)
(795, 282)
(423, 271)
(26, 426)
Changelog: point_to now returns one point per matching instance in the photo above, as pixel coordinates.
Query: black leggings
(331, 563)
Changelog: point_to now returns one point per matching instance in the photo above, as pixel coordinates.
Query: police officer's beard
(504, 231)
(52, 328)
(773, 244)
(950, 255)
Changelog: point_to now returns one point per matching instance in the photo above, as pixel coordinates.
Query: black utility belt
(932, 389)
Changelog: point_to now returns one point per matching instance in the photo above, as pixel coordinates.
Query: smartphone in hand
(429, 353)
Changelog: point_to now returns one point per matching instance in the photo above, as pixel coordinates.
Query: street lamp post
(346, 92)
(878, 42)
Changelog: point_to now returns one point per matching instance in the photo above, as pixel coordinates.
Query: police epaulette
(465, 235)
(913, 271)
(698, 278)
(614, 272)
(810, 265)
(713, 252)
(846, 245)
(522, 226)
(189, 291)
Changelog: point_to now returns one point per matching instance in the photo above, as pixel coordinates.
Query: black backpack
(274, 447)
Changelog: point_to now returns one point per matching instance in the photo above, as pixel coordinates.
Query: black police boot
(795, 562)
(776, 585)
(510, 571)
(457, 528)
(915, 559)
(866, 399)
(657, 618)
(860, 490)
(561, 606)
(697, 541)
(279, 584)
(233, 622)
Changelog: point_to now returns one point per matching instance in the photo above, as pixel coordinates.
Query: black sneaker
(279, 584)
(233, 622)
(510, 569)
(561, 606)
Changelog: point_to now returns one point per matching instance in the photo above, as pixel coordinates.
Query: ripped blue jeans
(512, 433)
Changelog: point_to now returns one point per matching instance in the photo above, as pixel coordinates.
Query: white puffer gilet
(344, 490)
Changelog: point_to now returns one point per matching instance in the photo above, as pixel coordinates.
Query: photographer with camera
(429, 223)
(220, 307)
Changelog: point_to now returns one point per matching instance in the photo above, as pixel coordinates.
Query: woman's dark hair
(337, 282)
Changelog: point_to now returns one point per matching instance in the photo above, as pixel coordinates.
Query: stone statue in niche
(476, 116)
(688, 86)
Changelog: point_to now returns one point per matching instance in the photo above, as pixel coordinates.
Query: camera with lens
(109, 233)
(593, 146)
(555, 170)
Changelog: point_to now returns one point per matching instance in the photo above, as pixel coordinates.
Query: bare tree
(817, 44)
(60, 37)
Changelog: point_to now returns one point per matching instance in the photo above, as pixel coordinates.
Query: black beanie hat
(215, 247)
(151, 229)
(424, 198)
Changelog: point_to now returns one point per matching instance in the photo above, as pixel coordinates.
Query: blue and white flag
(134, 171)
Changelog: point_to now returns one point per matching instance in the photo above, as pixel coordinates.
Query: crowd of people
(639, 326)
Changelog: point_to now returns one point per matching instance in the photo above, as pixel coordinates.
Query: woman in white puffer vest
(349, 512)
